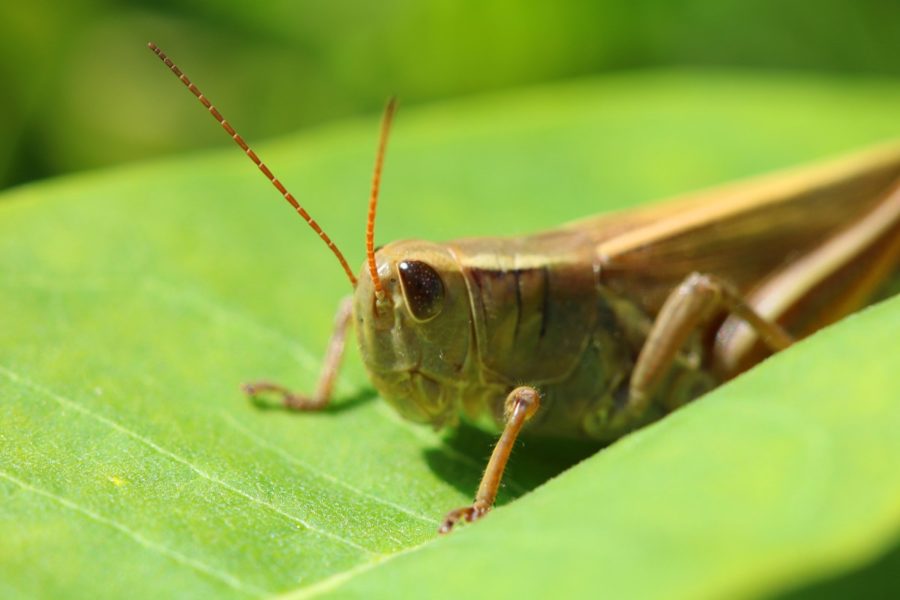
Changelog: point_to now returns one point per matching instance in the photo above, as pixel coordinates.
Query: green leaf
(135, 301)
(787, 473)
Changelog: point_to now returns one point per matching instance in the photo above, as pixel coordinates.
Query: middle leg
(521, 404)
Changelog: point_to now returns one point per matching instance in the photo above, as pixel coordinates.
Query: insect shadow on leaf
(361, 397)
(537, 460)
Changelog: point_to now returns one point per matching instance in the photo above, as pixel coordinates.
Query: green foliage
(784, 475)
(83, 91)
(135, 301)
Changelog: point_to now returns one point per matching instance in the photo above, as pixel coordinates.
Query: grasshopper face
(417, 340)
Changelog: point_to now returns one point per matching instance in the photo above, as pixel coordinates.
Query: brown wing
(741, 232)
(836, 277)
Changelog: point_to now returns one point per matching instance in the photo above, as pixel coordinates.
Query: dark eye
(422, 288)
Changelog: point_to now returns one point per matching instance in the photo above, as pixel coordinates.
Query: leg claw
(467, 514)
(289, 399)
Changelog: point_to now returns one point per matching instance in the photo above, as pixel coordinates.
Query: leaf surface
(134, 302)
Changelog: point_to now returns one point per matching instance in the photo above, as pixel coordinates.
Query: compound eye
(422, 288)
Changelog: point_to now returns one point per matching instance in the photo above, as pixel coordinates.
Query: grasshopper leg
(698, 296)
(521, 404)
(330, 367)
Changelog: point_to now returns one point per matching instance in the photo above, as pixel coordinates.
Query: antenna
(250, 153)
(373, 198)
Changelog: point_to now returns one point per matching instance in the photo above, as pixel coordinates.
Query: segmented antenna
(373, 199)
(262, 166)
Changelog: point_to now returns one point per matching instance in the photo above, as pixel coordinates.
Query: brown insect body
(597, 327)
(525, 311)
(568, 311)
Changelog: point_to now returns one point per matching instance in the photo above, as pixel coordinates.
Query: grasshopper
(598, 327)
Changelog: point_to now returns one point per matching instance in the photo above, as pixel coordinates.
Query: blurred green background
(80, 90)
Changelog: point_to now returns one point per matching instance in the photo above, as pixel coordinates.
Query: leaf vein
(332, 582)
(182, 559)
(307, 359)
(253, 437)
(14, 377)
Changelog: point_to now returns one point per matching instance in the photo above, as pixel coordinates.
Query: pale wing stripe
(804, 274)
(755, 193)
(775, 297)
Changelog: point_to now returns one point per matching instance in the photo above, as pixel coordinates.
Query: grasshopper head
(416, 338)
